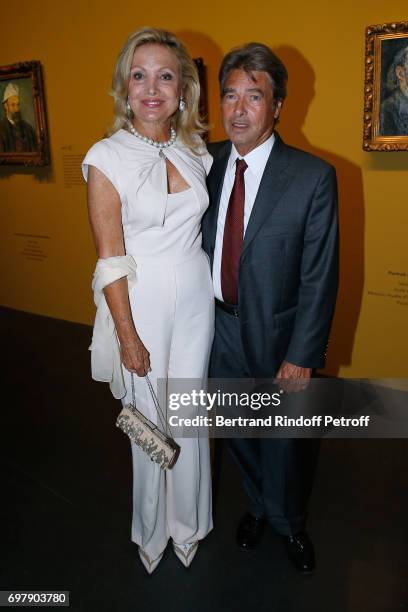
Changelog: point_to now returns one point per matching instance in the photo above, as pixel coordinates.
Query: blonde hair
(187, 123)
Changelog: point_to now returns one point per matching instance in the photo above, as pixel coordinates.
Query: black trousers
(277, 473)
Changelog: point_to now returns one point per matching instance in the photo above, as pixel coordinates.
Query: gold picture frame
(386, 87)
(23, 125)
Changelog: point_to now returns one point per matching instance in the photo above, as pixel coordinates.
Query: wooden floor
(66, 504)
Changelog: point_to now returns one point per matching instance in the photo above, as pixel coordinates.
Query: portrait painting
(202, 75)
(23, 131)
(386, 88)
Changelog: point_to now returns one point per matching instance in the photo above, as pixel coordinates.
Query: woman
(147, 194)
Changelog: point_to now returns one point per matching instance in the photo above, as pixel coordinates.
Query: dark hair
(256, 56)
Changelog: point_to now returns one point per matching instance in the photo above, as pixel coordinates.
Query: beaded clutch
(160, 447)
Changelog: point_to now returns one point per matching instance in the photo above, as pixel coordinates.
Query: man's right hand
(293, 378)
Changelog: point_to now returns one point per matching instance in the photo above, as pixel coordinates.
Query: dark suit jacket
(288, 272)
(9, 134)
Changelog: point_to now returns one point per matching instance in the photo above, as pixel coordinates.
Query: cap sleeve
(207, 161)
(104, 157)
(206, 157)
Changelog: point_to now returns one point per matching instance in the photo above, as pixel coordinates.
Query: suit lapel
(215, 184)
(274, 182)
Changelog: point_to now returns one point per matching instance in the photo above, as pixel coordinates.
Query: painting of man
(16, 134)
(394, 105)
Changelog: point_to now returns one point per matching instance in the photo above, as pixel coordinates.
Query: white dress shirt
(256, 162)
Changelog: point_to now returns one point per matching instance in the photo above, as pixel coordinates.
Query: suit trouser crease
(277, 472)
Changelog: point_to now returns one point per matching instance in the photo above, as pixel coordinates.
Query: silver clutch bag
(159, 446)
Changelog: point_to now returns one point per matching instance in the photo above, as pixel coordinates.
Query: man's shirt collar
(256, 159)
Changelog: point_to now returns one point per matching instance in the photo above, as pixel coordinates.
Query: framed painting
(23, 126)
(386, 87)
(202, 75)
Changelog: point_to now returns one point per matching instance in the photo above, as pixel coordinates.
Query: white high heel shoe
(149, 564)
(185, 552)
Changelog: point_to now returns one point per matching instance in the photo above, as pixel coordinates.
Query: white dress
(172, 304)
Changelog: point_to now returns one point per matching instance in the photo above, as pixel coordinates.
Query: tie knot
(241, 166)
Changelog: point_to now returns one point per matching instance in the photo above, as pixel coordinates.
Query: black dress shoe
(300, 552)
(249, 532)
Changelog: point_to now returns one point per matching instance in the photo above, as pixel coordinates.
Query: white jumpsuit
(172, 305)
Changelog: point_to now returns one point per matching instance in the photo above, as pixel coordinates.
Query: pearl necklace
(150, 141)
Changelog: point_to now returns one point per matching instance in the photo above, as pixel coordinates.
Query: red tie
(233, 236)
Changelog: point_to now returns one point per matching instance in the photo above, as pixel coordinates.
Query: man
(271, 234)
(15, 134)
(394, 109)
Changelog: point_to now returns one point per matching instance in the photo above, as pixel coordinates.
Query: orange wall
(323, 46)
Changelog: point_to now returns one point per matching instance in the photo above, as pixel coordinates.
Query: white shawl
(105, 358)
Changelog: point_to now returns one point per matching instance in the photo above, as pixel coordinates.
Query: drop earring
(128, 109)
(182, 104)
